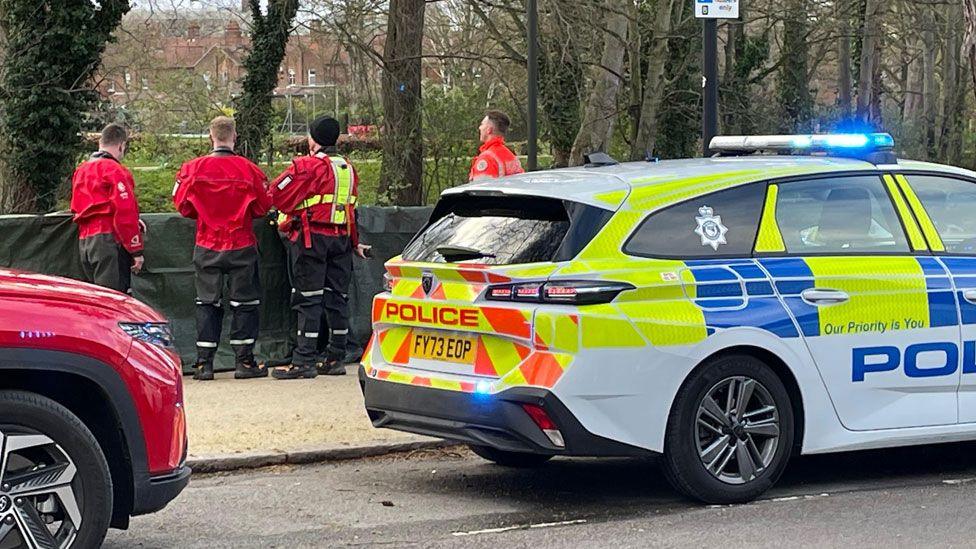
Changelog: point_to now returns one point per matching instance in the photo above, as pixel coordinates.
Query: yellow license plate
(450, 348)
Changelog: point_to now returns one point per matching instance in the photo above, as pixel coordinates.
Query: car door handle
(816, 296)
(970, 296)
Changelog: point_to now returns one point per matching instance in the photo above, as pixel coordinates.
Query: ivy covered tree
(269, 36)
(51, 51)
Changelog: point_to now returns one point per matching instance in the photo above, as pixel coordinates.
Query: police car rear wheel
(510, 459)
(730, 432)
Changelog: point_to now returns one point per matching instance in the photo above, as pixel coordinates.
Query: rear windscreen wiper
(461, 253)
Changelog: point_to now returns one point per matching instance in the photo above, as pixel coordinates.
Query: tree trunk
(969, 42)
(930, 90)
(734, 88)
(950, 141)
(653, 83)
(870, 69)
(560, 77)
(795, 101)
(269, 36)
(401, 174)
(600, 114)
(914, 85)
(844, 59)
(636, 77)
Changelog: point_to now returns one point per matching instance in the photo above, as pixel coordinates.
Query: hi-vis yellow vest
(341, 199)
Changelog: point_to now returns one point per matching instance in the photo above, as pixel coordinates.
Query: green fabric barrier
(48, 244)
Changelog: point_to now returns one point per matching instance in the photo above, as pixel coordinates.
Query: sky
(187, 6)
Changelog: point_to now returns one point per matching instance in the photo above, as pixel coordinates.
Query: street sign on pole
(717, 9)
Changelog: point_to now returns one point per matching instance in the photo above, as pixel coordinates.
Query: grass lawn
(154, 184)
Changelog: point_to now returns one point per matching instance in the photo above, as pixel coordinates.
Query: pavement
(257, 422)
(449, 498)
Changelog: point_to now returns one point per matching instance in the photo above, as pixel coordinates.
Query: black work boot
(203, 370)
(248, 369)
(279, 362)
(330, 366)
(295, 371)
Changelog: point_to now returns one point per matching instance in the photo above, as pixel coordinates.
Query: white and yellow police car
(723, 313)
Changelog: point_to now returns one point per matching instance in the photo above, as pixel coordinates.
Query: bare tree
(654, 81)
(844, 91)
(401, 176)
(868, 85)
(600, 112)
(969, 42)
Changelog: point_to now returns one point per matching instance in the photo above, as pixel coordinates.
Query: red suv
(92, 427)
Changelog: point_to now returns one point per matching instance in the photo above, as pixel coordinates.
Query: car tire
(702, 458)
(510, 459)
(24, 413)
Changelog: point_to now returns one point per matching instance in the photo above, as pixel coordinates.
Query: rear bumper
(497, 421)
(155, 492)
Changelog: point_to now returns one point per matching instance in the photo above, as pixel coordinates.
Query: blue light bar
(867, 142)
(882, 141)
(846, 140)
(802, 141)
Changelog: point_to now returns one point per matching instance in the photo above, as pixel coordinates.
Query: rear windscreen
(505, 230)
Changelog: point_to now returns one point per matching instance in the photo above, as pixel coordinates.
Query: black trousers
(291, 339)
(237, 270)
(106, 263)
(321, 276)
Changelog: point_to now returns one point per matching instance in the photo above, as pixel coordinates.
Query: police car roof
(609, 186)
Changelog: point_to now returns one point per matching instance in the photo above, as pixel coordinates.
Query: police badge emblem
(710, 228)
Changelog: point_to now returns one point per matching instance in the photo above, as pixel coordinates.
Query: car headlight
(156, 333)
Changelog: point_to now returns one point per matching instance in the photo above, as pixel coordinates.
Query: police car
(723, 313)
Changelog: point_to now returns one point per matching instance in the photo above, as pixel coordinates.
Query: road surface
(450, 498)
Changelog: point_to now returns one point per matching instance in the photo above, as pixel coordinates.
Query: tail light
(541, 418)
(387, 282)
(570, 292)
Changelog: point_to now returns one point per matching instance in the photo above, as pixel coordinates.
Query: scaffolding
(310, 95)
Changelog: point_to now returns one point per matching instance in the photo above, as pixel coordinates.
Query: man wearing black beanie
(317, 193)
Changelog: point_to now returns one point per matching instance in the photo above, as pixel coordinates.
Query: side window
(950, 204)
(718, 224)
(838, 215)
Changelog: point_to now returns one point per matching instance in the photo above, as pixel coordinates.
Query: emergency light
(873, 147)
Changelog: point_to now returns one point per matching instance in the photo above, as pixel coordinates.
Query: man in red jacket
(494, 158)
(224, 193)
(318, 194)
(103, 199)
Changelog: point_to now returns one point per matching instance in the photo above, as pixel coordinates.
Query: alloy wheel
(737, 430)
(39, 491)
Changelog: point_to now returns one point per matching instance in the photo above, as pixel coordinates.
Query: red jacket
(224, 193)
(103, 199)
(494, 160)
(309, 177)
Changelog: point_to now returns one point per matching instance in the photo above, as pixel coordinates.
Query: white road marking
(519, 527)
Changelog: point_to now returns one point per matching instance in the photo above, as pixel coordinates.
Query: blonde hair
(223, 128)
